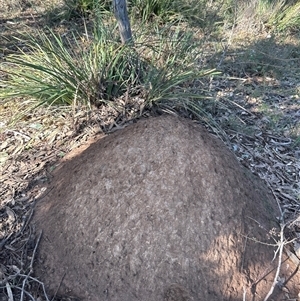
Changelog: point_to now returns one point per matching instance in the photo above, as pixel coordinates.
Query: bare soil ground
(258, 109)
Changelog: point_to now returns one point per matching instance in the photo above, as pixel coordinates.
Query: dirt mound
(160, 210)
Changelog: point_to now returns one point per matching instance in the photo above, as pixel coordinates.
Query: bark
(121, 14)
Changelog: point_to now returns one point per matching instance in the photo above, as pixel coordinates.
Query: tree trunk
(121, 14)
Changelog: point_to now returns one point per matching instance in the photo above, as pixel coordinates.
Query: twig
(34, 251)
(244, 294)
(62, 279)
(281, 245)
(28, 218)
(4, 241)
(26, 137)
(27, 293)
(9, 292)
(30, 267)
(39, 282)
(277, 200)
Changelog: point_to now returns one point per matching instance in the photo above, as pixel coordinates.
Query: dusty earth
(160, 210)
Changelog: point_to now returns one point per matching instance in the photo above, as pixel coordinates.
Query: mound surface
(160, 210)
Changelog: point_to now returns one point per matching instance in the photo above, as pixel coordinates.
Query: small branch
(27, 293)
(9, 292)
(16, 133)
(36, 280)
(244, 294)
(281, 245)
(62, 279)
(27, 220)
(277, 200)
(30, 267)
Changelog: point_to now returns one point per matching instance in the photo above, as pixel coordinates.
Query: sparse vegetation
(263, 15)
(92, 67)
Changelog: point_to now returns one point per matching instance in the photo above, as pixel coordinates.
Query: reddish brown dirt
(160, 210)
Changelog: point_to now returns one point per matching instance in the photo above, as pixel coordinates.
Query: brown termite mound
(160, 210)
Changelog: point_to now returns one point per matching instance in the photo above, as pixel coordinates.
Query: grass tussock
(165, 11)
(265, 15)
(162, 68)
(98, 70)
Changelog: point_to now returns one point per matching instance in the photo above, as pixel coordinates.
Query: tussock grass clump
(56, 71)
(164, 10)
(142, 10)
(280, 15)
(276, 16)
(73, 8)
(98, 70)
